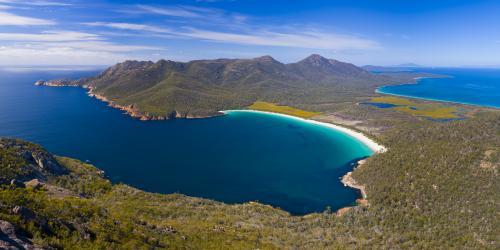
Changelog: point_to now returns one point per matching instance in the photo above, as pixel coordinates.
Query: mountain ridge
(200, 88)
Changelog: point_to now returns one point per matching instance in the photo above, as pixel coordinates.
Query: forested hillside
(204, 87)
(436, 187)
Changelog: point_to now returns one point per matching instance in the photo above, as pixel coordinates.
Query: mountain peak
(317, 66)
(316, 60)
(315, 57)
(265, 58)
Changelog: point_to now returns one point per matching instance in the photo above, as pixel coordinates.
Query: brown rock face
(9, 239)
(38, 163)
(342, 211)
(34, 184)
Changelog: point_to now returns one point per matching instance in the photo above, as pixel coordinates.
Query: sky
(377, 32)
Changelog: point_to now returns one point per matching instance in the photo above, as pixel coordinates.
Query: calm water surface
(234, 158)
(468, 86)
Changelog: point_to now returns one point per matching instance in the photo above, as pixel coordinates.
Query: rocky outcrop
(131, 110)
(347, 180)
(342, 211)
(10, 239)
(61, 83)
(46, 162)
(134, 111)
(52, 190)
(38, 163)
(34, 184)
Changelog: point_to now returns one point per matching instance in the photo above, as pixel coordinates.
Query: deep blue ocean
(467, 86)
(235, 158)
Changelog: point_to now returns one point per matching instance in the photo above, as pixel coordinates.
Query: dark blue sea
(467, 86)
(235, 158)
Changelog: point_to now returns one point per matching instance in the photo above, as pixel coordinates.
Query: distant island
(408, 65)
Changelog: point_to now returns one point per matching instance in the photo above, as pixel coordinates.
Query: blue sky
(383, 32)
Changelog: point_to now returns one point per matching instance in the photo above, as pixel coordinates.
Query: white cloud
(69, 53)
(49, 36)
(99, 46)
(311, 39)
(208, 15)
(129, 26)
(56, 56)
(305, 39)
(36, 3)
(169, 11)
(65, 47)
(46, 3)
(30, 68)
(69, 39)
(16, 20)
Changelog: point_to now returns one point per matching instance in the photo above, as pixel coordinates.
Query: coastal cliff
(131, 110)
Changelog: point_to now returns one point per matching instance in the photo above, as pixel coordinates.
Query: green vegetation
(204, 87)
(436, 187)
(271, 107)
(430, 110)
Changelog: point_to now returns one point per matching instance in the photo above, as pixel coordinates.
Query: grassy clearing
(393, 100)
(434, 111)
(271, 107)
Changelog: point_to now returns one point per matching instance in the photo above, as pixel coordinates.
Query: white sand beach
(375, 147)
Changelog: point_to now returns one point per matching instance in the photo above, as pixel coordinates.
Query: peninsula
(196, 89)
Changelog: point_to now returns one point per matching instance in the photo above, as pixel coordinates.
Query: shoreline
(378, 91)
(375, 147)
(130, 110)
(133, 112)
(434, 99)
(349, 181)
(346, 179)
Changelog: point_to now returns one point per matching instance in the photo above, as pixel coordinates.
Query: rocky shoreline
(60, 83)
(349, 181)
(130, 110)
(134, 112)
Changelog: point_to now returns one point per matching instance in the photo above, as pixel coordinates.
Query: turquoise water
(235, 158)
(467, 86)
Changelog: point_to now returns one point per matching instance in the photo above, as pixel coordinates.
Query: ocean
(467, 86)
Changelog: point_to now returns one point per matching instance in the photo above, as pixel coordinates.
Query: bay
(234, 158)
